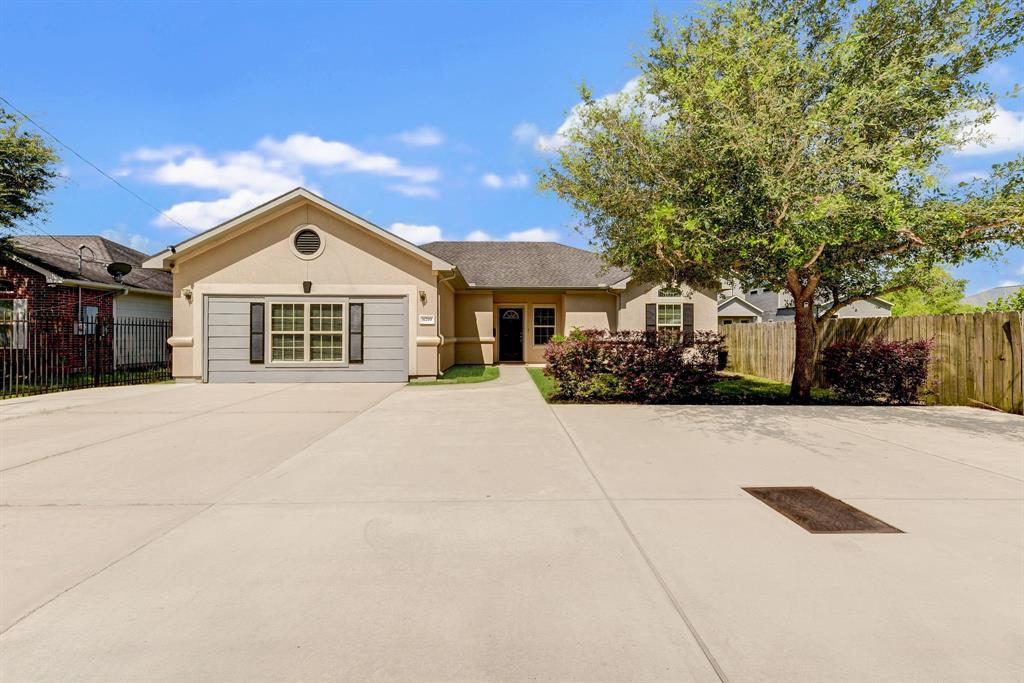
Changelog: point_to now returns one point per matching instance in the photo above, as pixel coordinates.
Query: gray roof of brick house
(59, 255)
(527, 265)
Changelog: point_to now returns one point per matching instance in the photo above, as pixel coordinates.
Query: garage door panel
(228, 354)
(387, 308)
(390, 331)
(379, 320)
(236, 306)
(385, 345)
(383, 354)
(288, 376)
(229, 319)
(234, 342)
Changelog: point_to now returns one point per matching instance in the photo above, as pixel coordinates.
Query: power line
(94, 166)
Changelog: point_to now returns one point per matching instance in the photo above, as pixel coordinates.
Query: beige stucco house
(300, 290)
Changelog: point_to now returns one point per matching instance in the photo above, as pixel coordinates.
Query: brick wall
(53, 313)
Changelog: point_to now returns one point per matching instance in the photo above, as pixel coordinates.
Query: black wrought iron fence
(40, 354)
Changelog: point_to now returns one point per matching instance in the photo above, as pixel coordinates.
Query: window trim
(533, 323)
(665, 326)
(306, 302)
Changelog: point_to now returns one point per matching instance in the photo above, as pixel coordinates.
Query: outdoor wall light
(187, 293)
(423, 297)
(307, 286)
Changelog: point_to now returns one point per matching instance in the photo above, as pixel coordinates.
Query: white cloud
(534, 235)
(241, 171)
(271, 168)
(526, 133)
(558, 139)
(495, 181)
(1008, 283)
(416, 190)
(417, 234)
(315, 151)
(1004, 133)
(136, 241)
(424, 136)
(165, 153)
(478, 236)
(202, 215)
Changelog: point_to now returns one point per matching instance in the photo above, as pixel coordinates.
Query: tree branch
(817, 255)
(839, 305)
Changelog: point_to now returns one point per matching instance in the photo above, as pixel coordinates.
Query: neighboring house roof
(986, 296)
(736, 305)
(527, 265)
(163, 259)
(57, 258)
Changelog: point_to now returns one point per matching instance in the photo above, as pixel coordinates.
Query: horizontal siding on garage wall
(385, 344)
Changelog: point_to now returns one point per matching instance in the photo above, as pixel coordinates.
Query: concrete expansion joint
(646, 558)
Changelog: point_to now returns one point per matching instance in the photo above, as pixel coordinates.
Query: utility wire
(94, 166)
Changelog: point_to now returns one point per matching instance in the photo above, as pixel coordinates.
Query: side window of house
(670, 315)
(13, 323)
(543, 324)
(87, 321)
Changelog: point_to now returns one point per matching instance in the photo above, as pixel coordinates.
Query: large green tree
(28, 171)
(793, 144)
(937, 293)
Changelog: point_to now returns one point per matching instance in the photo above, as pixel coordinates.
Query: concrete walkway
(373, 532)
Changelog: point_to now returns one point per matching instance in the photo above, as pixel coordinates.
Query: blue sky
(427, 118)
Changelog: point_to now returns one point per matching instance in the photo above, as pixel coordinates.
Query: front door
(510, 334)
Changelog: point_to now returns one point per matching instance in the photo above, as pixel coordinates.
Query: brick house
(51, 300)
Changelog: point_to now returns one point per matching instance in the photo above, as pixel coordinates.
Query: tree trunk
(802, 291)
(806, 349)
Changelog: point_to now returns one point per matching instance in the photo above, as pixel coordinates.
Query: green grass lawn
(461, 374)
(731, 389)
(545, 384)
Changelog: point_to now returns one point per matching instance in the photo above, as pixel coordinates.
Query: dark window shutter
(688, 323)
(652, 317)
(355, 333)
(257, 329)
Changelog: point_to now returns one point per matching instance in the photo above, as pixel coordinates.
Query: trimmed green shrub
(645, 367)
(877, 370)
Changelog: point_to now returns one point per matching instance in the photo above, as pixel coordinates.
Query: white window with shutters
(307, 332)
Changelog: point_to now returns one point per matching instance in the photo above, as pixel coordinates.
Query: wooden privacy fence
(977, 357)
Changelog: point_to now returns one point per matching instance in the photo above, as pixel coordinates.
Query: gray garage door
(385, 344)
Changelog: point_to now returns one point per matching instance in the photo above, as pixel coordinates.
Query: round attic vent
(307, 242)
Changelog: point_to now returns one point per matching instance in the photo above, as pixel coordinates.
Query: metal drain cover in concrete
(819, 512)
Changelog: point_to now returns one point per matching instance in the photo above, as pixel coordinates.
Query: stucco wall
(446, 297)
(474, 321)
(590, 309)
(259, 259)
(633, 303)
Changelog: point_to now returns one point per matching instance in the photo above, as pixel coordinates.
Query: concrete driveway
(377, 532)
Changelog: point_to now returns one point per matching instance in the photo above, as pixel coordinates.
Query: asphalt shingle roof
(988, 295)
(59, 254)
(526, 264)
